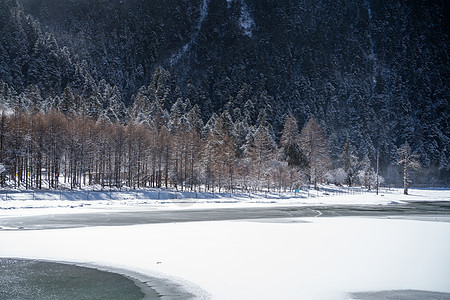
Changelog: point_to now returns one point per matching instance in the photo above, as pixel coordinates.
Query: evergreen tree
(67, 102)
(349, 163)
(289, 143)
(366, 174)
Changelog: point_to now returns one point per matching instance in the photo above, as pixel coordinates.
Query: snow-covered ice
(323, 258)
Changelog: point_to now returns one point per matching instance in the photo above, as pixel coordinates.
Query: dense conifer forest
(222, 94)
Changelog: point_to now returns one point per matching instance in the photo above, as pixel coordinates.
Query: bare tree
(38, 137)
(409, 161)
(220, 154)
(56, 140)
(315, 147)
(195, 125)
(260, 151)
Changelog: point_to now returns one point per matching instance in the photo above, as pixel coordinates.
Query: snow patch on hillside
(246, 20)
(203, 14)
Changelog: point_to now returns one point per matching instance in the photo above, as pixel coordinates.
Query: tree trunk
(405, 178)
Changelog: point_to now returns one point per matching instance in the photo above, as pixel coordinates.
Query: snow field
(308, 258)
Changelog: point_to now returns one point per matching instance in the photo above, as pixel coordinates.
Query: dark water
(111, 218)
(29, 279)
(401, 295)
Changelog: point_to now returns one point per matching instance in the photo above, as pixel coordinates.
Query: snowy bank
(14, 203)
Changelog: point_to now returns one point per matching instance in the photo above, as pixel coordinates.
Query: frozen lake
(394, 249)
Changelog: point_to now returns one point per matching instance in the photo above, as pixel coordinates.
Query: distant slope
(373, 72)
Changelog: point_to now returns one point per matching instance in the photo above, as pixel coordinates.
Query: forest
(55, 150)
(371, 76)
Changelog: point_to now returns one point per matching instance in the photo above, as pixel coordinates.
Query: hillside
(374, 73)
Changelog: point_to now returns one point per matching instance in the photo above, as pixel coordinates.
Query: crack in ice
(319, 213)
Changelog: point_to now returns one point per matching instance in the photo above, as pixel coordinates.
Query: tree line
(173, 150)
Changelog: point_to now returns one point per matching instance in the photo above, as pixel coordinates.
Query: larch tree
(55, 141)
(177, 129)
(315, 146)
(221, 151)
(39, 132)
(195, 125)
(409, 161)
(260, 151)
(3, 135)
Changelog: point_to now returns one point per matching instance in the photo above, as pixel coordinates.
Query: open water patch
(31, 279)
(401, 295)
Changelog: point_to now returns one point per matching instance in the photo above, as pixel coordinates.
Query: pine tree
(349, 163)
(367, 174)
(289, 143)
(67, 103)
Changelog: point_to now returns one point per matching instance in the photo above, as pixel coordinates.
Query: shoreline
(151, 286)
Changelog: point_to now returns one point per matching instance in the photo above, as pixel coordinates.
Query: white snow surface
(203, 14)
(298, 258)
(246, 20)
(322, 258)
